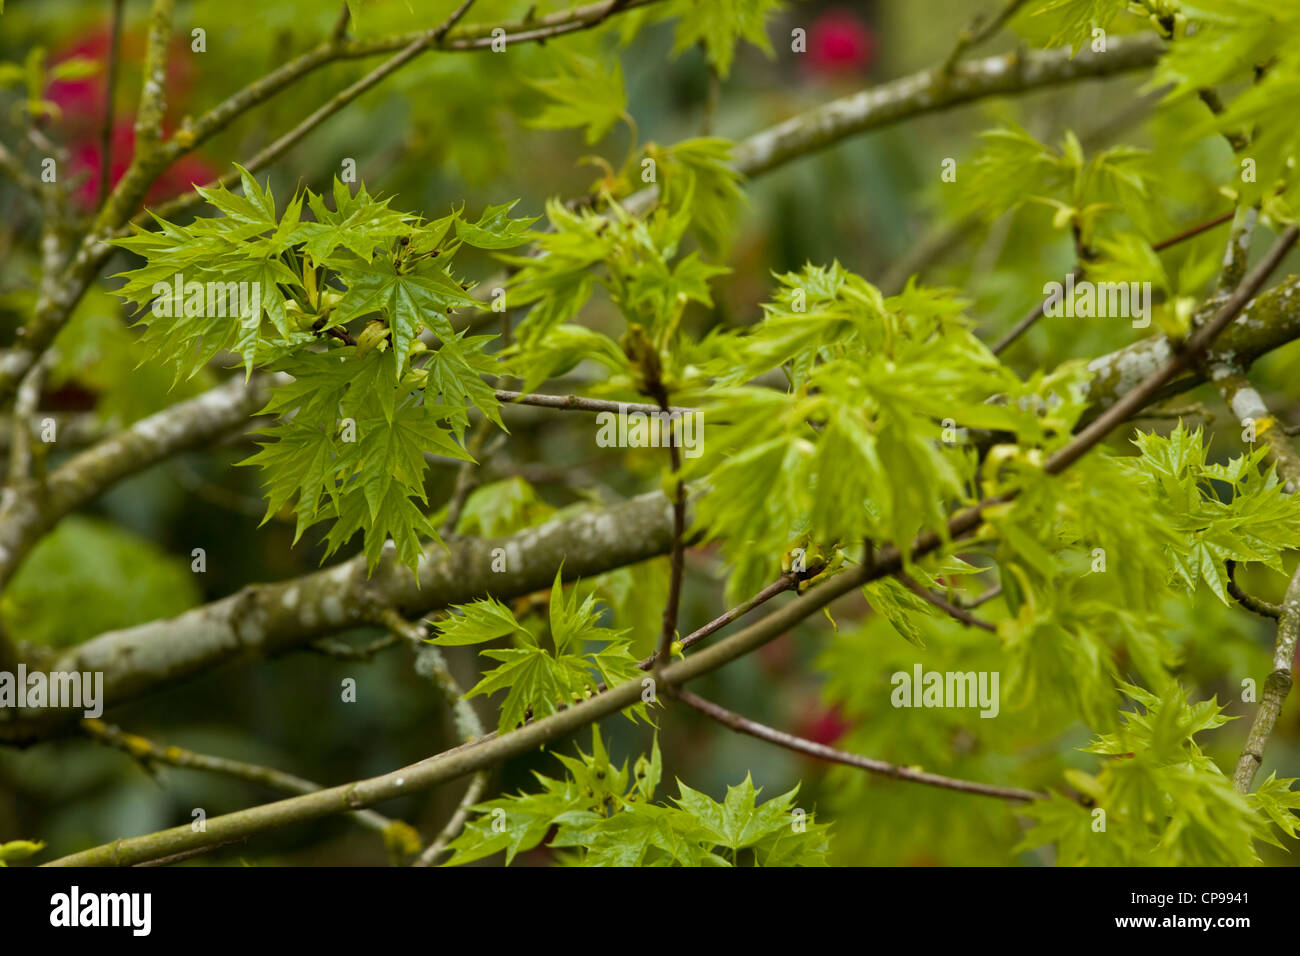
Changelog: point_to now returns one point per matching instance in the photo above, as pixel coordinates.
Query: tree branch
(189, 424)
(578, 403)
(267, 619)
(1248, 601)
(953, 611)
(753, 728)
(1276, 688)
(1247, 406)
(110, 98)
(922, 93)
(460, 761)
(147, 752)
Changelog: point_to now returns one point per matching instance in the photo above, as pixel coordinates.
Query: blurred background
(446, 129)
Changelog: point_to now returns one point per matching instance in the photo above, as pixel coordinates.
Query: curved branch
(468, 758)
(1249, 602)
(753, 728)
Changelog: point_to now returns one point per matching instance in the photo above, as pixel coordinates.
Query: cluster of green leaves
(716, 25)
(1236, 511)
(360, 414)
(540, 680)
(870, 439)
(1222, 43)
(695, 175)
(1054, 23)
(1095, 566)
(604, 816)
(1163, 801)
(583, 95)
(1013, 168)
(643, 274)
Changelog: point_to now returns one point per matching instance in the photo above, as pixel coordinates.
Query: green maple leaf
(719, 24)
(583, 95)
(255, 207)
(409, 302)
(359, 223)
(537, 680)
(495, 229)
(484, 620)
(737, 822)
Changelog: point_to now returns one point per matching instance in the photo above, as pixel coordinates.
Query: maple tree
(959, 492)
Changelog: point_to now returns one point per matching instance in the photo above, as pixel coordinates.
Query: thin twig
(744, 725)
(456, 823)
(1037, 311)
(784, 583)
(677, 567)
(979, 30)
(110, 94)
(984, 598)
(341, 24)
(454, 19)
(1191, 233)
(1249, 602)
(146, 751)
(578, 403)
(956, 613)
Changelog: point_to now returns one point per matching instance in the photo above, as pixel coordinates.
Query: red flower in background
(824, 726)
(840, 42)
(82, 100)
(82, 104)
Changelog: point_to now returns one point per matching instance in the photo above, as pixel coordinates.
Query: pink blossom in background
(840, 43)
(82, 105)
(824, 726)
(82, 101)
